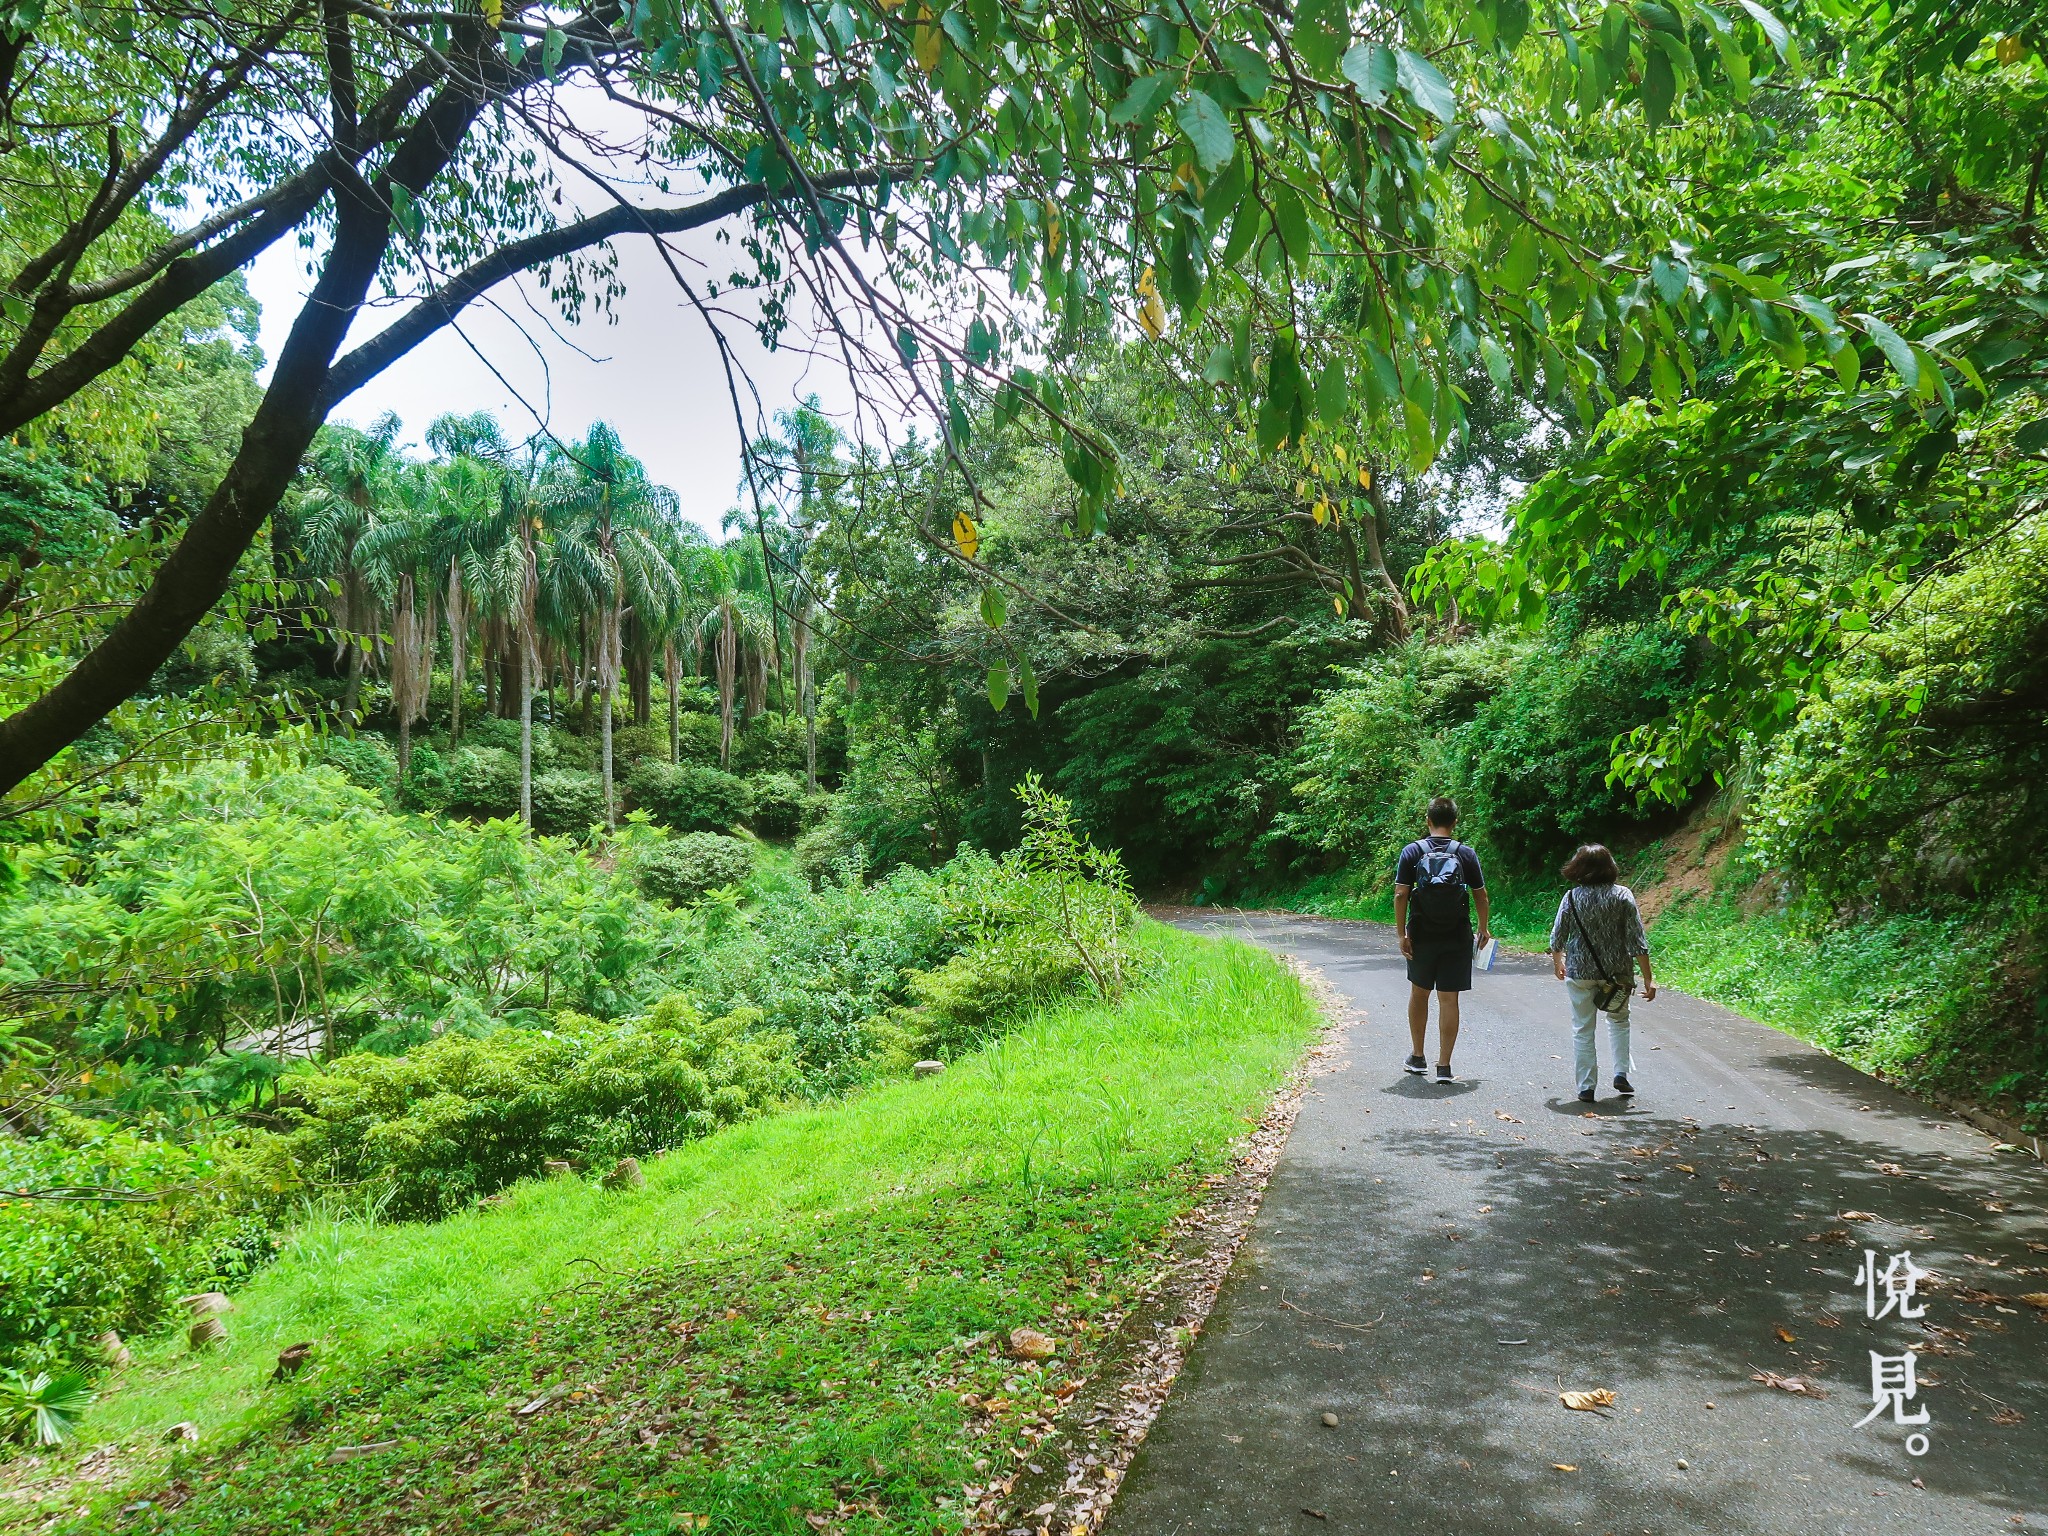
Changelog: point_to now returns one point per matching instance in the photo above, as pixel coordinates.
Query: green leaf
(15, 307)
(1207, 129)
(1664, 377)
(1142, 100)
(1514, 23)
(1774, 29)
(1292, 217)
(1373, 70)
(2032, 438)
(1222, 365)
(1895, 348)
(1248, 68)
(1660, 87)
(1498, 367)
(551, 48)
(1669, 279)
(998, 686)
(1426, 85)
(1333, 394)
(1518, 268)
(1322, 31)
(1027, 684)
(994, 607)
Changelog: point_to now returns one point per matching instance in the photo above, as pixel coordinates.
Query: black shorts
(1441, 965)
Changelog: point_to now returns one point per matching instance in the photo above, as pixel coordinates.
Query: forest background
(497, 818)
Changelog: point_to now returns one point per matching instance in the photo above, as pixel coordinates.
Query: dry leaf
(1798, 1384)
(2005, 1418)
(1501, 1114)
(1030, 1344)
(1890, 1170)
(2036, 1299)
(1587, 1402)
(1789, 1338)
(1563, 1466)
(1688, 1168)
(1858, 1216)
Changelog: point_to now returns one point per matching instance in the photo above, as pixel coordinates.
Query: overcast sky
(654, 375)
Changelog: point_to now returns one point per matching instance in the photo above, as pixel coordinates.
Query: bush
(778, 801)
(689, 798)
(566, 803)
(484, 782)
(428, 782)
(463, 1117)
(634, 742)
(366, 761)
(681, 869)
(829, 852)
(768, 744)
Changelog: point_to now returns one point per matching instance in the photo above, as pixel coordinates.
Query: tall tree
(354, 487)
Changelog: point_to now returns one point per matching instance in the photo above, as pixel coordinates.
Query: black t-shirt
(1408, 870)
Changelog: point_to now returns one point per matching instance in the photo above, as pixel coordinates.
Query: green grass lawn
(777, 1326)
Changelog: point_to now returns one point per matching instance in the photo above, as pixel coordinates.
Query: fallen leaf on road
(1789, 1338)
(2005, 1418)
(1313, 1514)
(1827, 1320)
(1858, 1216)
(1501, 1114)
(1688, 1168)
(1587, 1402)
(1890, 1170)
(2036, 1299)
(1798, 1384)
(1563, 1466)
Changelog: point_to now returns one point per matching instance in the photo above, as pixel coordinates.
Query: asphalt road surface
(1434, 1264)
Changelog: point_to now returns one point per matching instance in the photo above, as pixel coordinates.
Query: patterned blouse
(1607, 914)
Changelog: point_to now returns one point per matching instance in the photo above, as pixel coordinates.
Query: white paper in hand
(1486, 954)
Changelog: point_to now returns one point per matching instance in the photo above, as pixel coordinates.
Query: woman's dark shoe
(1416, 1065)
(1585, 1095)
(1622, 1087)
(1443, 1072)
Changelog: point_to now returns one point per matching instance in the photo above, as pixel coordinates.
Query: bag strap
(1586, 938)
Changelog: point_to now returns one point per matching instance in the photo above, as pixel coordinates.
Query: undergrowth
(781, 1324)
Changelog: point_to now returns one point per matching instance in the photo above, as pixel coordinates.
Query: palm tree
(610, 525)
(354, 487)
(399, 559)
(735, 620)
(474, 453)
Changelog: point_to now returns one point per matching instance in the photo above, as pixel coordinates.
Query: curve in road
(1433, 1266)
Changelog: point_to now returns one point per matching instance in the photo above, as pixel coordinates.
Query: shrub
(688, 798)
(817, 809)
(367, 761)
(681, 869)
(778, 801)
(428, 782)
(769, 744)
(830, 853)
(484, 782)
(566, 803)
(463, 1117)
(633, 742)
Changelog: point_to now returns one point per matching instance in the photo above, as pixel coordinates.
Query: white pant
(1584, 1057)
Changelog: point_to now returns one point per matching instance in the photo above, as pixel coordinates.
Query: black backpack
(1440, 896)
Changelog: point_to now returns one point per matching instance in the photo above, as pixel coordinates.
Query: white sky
(654, 375)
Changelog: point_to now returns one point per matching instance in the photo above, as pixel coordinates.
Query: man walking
(1436, 880)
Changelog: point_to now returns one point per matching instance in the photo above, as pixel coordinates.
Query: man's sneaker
(1585, 1095)
(1416, 1065)
(1443, 1072)
(1623, 1087)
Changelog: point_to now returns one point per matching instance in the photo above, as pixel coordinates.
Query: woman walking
(1598, 935)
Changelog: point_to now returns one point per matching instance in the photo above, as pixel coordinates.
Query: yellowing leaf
(1337, 602)
(1587, 1402)
(2010, 48)
(1151, 313)
(1321, 513)
(965, 534)
(1364, 478)
(494, 12)
(1789, 1338)
(926, 40)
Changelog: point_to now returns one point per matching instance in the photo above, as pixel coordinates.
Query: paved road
(1655, 1249)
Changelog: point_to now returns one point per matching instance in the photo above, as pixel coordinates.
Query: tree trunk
(1376, 529)
(728, 685)
(458, 652)
(675, 725)
(526, 748)
(351, 696)
(608, 684)
(641, 672)
(198, 570)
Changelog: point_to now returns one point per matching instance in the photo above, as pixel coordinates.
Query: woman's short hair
(1592, 865)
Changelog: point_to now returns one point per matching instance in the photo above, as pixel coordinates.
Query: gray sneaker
(1416, 1065)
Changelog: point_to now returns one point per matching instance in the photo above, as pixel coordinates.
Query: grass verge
(775, 1335)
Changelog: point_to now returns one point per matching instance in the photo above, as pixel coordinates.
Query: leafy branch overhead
(1382, 198)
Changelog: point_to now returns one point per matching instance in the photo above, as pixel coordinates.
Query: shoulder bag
(1611, 994)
